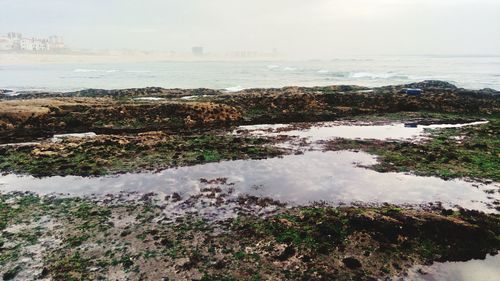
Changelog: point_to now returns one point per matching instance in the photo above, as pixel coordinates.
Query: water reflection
(330, 130)
(473, 270)
(314, 176)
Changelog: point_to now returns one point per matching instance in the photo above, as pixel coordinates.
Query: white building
(26, 44)
(16, 42)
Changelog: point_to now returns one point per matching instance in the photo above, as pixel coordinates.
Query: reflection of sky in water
(473, 270)
(331, 130)
(314, 176)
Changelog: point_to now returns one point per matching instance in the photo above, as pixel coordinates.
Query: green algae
(112, 157)
(250, 247)
(468, 152)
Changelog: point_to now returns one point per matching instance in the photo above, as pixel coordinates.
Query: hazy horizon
(296, 29)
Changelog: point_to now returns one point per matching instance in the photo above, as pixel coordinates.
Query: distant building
(16, 42)
(5, 44)
(197, 51)
(56, 43)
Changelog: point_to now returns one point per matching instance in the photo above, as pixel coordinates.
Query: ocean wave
(12, 94)
(234, 89)
(85, 70)
(370, 75)
(338, 74)
(273, 66)
(289, 68)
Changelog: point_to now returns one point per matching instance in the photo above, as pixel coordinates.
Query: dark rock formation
(117, 111)
(351, 263)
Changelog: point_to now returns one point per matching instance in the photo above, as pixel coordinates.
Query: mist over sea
(467, 72)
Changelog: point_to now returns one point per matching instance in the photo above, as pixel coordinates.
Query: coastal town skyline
(20, 43)
(14, 41)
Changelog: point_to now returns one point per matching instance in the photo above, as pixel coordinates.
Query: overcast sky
(297, 28)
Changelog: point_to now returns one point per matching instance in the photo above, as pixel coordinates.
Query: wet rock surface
(471, 152)
(4, 91)
(113, 154)
(121, 93)
(31, 118)
(140, 237)
(214, 231)
(352, 263)
(40, 114)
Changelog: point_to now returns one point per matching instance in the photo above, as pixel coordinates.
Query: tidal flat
(320, 183)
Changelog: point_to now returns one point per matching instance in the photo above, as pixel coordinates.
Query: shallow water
(332, 130)
(149, 99)
(75, 135)
(334, 177)
(473, 270)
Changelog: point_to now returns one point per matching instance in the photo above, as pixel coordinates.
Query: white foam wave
(273, 66)
(234, 89)
(370, 75)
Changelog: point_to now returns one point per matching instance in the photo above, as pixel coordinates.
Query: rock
(176, 197)
(166, 242)
(283, 252)
(220, 264)
(125, 233)
(285, 222)
(4, 91)
(37, 152)
(11, 274)
(432, 85)
(183, 263)
(351, 263)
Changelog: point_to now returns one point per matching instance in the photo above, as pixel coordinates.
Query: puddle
(333, 177)
(329, 130)
(473, 270)
(189, 97)
(75, 135)
(149, 99)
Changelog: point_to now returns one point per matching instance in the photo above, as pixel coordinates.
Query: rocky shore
(134, 238)
(216, 231)
(472, 152)
(151, 109)
(114, 154)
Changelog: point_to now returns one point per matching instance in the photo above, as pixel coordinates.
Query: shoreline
(117, 57)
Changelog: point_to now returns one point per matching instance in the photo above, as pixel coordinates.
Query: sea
(468, 72)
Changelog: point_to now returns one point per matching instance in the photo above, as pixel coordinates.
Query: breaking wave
(234, 89)
(370, 75)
